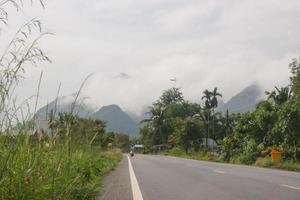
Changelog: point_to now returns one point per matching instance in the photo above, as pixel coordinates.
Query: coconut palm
(156, 120)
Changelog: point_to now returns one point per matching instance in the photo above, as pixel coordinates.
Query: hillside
(244, 101)
(64, 104)
(116, 120)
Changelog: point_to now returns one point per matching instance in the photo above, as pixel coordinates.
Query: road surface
(170, 178)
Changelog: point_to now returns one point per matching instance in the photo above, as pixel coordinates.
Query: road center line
(290, 187)
(136, 191)
(218, 171)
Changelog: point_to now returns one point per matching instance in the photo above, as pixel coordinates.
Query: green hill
(117, 120)
(244, 101)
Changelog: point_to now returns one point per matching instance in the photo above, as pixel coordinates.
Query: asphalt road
(170, 178)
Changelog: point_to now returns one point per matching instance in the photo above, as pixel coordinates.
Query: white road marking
(218, 171)
(136, 191)
(290, 187)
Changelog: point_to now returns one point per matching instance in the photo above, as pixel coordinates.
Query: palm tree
(215, 94)
(157, 121)
(211, 102)
(207, 95)
(280, 96)
(214, 104)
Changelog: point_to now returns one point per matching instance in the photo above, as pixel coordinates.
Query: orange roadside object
(276, 155)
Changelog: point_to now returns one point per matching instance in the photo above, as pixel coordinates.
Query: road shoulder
(117, 186)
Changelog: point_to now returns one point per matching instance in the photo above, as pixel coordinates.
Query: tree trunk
(207, 136)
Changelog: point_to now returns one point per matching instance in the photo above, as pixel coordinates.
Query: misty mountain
(244, 101)
(117, 120)
(140, 116)
(64, 104)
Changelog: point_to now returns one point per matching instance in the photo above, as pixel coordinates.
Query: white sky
(134, 47)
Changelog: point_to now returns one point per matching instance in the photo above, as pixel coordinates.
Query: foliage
(122, 141)
(34, 170)
(279, 96)
(19, 52)
(295, 79)
(242, 137)
(159, 127)
(187, 133)
(66, 162)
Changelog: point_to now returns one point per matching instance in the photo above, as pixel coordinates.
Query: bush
(176, 151)
(290, 165)
(267, 162)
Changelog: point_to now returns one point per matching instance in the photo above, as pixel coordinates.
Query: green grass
(286, 165)
(266, 162)
(30, 170)
(200, 155)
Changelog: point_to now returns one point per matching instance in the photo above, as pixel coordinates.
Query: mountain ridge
(116, 119)
(244, 101)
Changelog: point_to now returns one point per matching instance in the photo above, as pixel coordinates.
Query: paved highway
(170, 178)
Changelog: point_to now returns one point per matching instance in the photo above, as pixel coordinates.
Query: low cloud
(229, 44)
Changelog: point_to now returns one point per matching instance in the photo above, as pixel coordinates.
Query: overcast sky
(134, 47)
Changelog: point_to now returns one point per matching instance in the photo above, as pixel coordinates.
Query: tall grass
(34, 165)
(31, 169)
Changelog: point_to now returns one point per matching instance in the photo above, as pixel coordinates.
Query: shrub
(267, 162)
(290, 165)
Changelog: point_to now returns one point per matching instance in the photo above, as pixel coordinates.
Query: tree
(122, 141)
(207, 109)
(285, 131)
(207, 95)
(279, 96)
(173, 95)
(211, 102)
(156, 124)
(188, 133)
(161, 113)
(214, 97)
(295, 79)
(214, 104)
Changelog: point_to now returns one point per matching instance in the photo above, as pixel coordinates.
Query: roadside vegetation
(181, 128)
(64, 161)
(32, 169)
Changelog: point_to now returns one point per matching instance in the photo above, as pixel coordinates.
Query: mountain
(117, 120)
(64, 104)
(140, 116)
(244, 101)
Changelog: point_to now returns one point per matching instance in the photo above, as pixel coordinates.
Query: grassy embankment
(31, 169)
(214, 157)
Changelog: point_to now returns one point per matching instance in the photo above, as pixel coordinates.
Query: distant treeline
(242, 138)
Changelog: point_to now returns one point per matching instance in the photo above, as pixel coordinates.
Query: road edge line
(290, 187)
(218, 171)
(136, 191)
